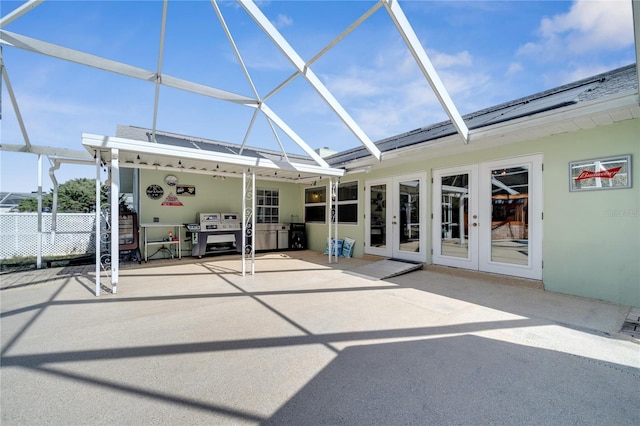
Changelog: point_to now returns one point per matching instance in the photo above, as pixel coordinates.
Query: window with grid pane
(267, 205)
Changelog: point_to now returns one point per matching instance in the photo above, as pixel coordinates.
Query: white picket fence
(75, 234)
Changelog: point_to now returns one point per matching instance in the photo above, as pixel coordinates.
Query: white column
(248, 213)
(244, 222)
(335, 218)
(329, 239)
(98, 236)
(115, 218)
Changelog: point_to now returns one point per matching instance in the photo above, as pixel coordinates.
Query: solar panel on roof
(167, 140)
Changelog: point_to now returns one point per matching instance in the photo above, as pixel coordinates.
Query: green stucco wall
(212, 196)
(591, 239)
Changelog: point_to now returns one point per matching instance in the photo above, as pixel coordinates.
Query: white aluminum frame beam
(71, 55)
(413, 43)
(302, 68)
(156, 98)
(14, 102)
(19, 11)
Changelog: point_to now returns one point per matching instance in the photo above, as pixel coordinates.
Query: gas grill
(215, 233)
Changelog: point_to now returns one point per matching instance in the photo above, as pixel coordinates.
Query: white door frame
(384, 251)
(479, 218)
(393, 222)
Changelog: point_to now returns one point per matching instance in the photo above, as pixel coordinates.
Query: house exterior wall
(591, 239)
(212, 196)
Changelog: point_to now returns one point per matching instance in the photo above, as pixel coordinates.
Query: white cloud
(282, 21)
(514, 68)
(589, 26)
(444, 60)
(391, 95)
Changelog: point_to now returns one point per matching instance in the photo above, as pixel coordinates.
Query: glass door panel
(409, 216)
(378, 216)
(510, 215)
(455, 212)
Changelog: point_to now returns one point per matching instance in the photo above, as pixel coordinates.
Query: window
(267, 205)
(315, 204)
(348, 203)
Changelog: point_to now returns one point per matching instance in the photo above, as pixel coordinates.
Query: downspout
(39, 255)
(54, 205)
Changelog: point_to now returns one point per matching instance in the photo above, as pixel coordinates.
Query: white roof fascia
(413, 43)
(626, 101)
(46, 150)
(19, 11)
(635, 6)
(611, 103)
(71, 55)
(310, 76)
(98, 142)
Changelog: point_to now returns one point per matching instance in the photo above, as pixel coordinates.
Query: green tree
(74, 196)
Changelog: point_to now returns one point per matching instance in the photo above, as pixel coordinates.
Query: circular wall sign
(171, 180)
(155, 192)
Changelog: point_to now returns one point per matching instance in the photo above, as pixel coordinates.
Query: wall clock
(171, 180)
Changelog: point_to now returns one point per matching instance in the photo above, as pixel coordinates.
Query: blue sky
(486, 53)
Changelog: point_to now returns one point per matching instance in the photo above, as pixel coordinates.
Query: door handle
(474, 224)
(394, 223)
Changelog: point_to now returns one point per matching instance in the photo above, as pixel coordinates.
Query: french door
(488, 217)
(395, 212)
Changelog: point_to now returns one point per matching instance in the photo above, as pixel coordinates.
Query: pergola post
(115, 218)
(98, 236)
(333, 221)
(248, 220)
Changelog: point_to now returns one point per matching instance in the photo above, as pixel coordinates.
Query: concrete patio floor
(303, 342)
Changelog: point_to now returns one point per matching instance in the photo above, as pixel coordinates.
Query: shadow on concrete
(430, 380)
(463, 380)
(512, 295)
